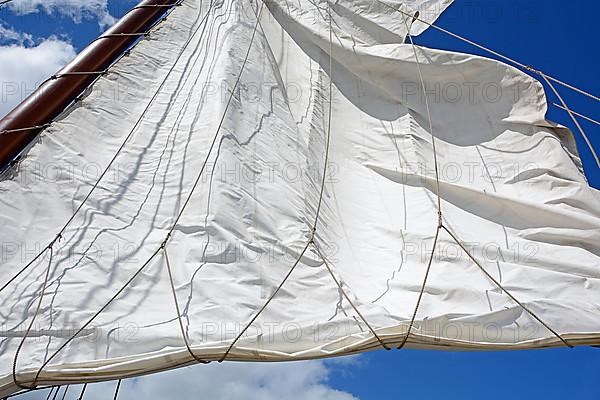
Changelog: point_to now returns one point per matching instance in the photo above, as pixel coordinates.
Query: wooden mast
(54, 95)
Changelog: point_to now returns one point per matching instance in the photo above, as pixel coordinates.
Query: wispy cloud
(9, 36)
(77, 10)
(308, 380)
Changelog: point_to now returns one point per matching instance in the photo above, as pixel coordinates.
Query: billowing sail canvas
(293, 180)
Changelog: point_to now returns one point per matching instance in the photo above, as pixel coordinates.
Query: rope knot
(58, 238)
(416, 16)
(164, 243)
(531, 69)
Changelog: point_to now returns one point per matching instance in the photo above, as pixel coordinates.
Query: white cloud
(10, 36)
(25, 65)
(306, 380)
(77, 10)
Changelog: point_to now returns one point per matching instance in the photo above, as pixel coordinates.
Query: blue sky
(558, 37)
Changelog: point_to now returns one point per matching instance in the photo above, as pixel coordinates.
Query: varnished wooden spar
(53, 96)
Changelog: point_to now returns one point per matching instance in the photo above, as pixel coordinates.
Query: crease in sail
(255, 204)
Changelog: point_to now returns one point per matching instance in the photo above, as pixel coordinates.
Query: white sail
(244, 122)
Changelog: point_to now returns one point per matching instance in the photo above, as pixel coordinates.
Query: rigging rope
(437, 182)
(339, 285)
(65, 392)
(422, 290)
(70, 339)
(37, 310)
(327, 140)
(433, 138)
(266, 303)
(325, 262)
(59, 235)
(212, 145)
(56, 394)
(566, 107)
(185, 338)
(578, 114)
(497, 54)
(314, 227)
(82, 391)
(81, 205)
(116, 390)
(51, 391)
(299, 258)
(503, 289)
(77, 73)
(164, 243)
(441, 224)
(25, 129)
